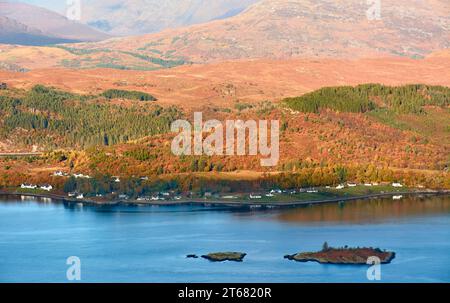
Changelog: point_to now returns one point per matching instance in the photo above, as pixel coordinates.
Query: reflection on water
(366, 211)
(358, 211)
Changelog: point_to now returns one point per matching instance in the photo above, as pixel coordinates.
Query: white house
(116, 179)
(144, 198)
(396, 184)
(312, 191)
(397, 197)
(340, 186)
(46, 187)
(80, 196)
(81, 176)
(59, 174)
(28, 186)
(255, 196)
(351, 184)
(368, 184)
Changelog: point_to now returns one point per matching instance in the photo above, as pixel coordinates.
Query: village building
(229, 197)
(59, 174)
(81, 176)
(46, 187)
(255, 196)
(28, 186)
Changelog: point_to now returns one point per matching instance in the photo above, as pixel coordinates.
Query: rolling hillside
(132, 138)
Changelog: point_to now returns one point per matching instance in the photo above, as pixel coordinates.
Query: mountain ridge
(42, 26)
(121, 18)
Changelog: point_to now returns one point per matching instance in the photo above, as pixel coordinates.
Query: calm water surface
(149, 244)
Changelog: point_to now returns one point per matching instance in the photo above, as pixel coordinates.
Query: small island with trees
(343, 255)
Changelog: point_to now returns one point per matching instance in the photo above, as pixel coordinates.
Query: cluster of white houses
(45, 187)
(342, 186)
(273, 192)
(76, 176)
(116, 179)
(166, 195)
(159, 197)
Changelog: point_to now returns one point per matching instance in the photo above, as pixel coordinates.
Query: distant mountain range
(276, 29)
(307, 28)
(31, 25)
(137, 17)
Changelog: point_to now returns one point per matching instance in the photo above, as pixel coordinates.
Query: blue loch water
(149, 244)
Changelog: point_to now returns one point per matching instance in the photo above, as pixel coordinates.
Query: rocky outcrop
(225, 256)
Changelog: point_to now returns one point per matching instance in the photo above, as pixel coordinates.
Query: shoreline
(236, 204)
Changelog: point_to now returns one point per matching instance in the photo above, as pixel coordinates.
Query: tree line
(407, 99)
(78, 121)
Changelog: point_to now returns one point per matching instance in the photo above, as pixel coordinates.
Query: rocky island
(192, 256)
(225, 256)
(343, 255)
